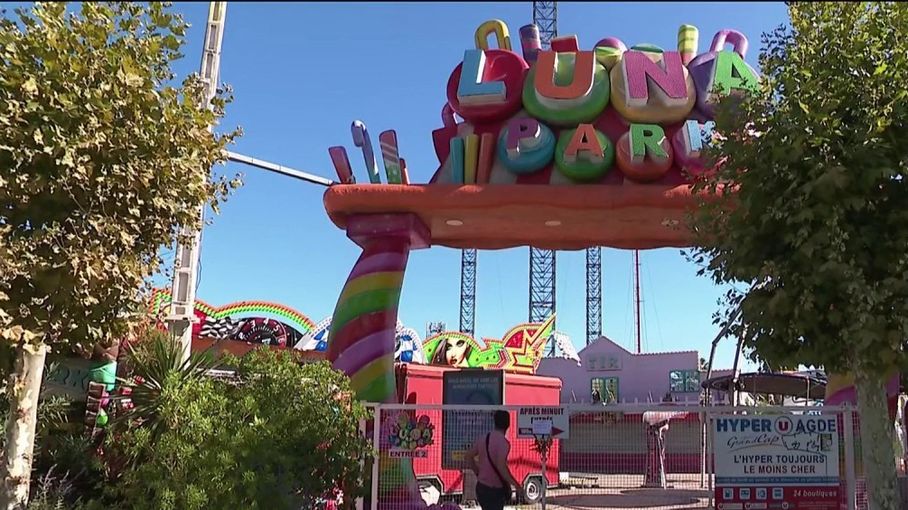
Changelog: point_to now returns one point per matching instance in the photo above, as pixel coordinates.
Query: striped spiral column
(361, 340)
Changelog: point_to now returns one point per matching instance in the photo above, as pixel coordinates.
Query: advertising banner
(461, 428)
(787, 462)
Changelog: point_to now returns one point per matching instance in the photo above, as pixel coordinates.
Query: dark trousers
(491, 498)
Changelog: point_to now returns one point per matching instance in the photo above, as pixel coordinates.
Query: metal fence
(616, 456)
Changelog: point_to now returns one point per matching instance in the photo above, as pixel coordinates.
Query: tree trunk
(24, 390)
(877, 442)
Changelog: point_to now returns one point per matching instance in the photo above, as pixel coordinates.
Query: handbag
(506, 493)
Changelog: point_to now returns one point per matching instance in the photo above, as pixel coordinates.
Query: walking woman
(488, 458)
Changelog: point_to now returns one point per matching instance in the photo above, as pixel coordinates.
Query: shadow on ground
(635, 498)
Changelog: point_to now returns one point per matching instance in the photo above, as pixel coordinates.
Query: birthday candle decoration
(647, 48)
(361, 139)
(737, 40)
(486, 155)
(493, 26)
(457, 162)
(471, 155)
(390, 155)
(341, 164)
(688, 39)
(609, 51)
(404, 175)
(530, 42)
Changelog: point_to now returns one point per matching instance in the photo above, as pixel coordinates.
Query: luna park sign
(571, 116)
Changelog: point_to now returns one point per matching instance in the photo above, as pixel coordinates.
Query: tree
(101, 161)
(817, 224)
(279, 435)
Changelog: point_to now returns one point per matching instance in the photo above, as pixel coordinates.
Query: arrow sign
(551, 421)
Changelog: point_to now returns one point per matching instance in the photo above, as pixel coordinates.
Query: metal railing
(618, 456)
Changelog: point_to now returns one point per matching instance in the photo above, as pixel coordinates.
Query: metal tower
(467, 291)
(542, 262)
(186, 270)
(545, 16)
(593, 294)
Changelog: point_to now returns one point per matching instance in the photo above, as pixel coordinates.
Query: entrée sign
(647, 109)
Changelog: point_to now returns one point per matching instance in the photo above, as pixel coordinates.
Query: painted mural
(520, 350)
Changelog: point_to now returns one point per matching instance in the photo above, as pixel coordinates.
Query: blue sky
(302, 73)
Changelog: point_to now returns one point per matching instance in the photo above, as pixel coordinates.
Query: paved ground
(621, 492)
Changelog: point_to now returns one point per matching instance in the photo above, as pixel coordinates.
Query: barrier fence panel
(626, 456)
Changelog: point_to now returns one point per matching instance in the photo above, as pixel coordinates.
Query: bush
(280, 435)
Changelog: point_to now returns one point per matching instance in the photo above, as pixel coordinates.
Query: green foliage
(101, 161)
(55, 412)
(64, 464)
(818, 226)
(278, 435)
(157, 360)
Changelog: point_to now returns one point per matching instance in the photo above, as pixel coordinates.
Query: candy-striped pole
(688, 40)
(361, 340)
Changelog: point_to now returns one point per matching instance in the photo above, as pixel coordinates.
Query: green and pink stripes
(362, 329)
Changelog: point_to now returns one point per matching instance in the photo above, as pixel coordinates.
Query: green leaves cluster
(277, 436)
(819, 221)
(101, 160)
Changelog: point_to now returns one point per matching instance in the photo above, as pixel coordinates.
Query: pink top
(499, 449)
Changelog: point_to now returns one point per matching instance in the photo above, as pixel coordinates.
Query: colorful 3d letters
(525, 145)
(611, 88)
(688, 144)
(472, 90)
(722, 69)
(652, 87)
(583, 154)
(569, 88)
(644, 153)
(565, 44)
(500, 66)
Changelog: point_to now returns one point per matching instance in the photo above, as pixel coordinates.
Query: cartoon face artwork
(518, 351)
(454, 352)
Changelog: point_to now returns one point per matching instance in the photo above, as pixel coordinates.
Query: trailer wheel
(532, 487)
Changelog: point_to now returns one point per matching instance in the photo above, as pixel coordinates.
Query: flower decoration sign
(410, 436)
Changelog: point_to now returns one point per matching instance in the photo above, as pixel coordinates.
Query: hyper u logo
(784, 425)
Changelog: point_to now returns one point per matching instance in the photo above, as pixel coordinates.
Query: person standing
(488, 458)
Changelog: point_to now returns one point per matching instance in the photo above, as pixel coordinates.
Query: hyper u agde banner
(776, 462)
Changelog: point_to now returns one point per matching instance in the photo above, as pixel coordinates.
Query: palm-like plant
(155, 363)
